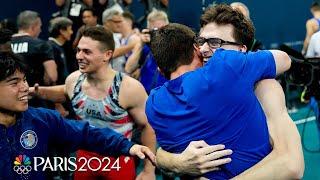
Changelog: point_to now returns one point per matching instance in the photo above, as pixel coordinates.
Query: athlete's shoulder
(129, 82)
(132, 91)
(73, 77)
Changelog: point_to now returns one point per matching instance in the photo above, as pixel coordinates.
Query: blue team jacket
(38, 129)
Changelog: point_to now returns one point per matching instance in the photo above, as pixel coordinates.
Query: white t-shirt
(314, 46)
(118, 63)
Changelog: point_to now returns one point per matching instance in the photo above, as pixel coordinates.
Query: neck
(180, 71)
(317, 14)
(126, 33)
(59, 40)
(7, 118)
(24, 32)
(101, 75)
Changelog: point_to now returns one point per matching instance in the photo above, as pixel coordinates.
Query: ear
(108, 55)
(62, 32)
(243, 48)
(197, 52)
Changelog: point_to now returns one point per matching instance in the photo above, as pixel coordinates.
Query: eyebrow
(83, 49)
(14, 79)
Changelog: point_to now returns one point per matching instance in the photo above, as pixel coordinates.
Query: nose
(79, 54)
(24, 86)
(206, 51)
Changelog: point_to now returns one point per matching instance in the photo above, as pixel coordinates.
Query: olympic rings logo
(22, 169)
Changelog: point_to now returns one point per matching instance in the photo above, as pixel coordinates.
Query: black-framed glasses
(213, 42)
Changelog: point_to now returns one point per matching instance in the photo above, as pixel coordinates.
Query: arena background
(276, 22)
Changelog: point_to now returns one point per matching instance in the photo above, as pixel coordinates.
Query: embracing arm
(52, 93)
(286, 159)
(198, 158)
(57, 94)
(282, 61)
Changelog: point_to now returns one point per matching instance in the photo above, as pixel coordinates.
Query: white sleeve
(311, 47)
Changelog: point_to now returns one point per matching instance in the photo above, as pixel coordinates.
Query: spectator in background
(242, 8)
(37, 53)
(314, 46)
(102, 5)
(312, 25)
(150, 77)
(256, 44)
(89, 19)
(113, 20)
(60, 31)
(63, 8)
(129, 36)
(72, 9)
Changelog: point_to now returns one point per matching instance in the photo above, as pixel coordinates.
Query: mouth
(82, 64)
(23, 98)
(206, 59)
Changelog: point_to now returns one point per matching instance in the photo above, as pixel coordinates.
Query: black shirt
(60, 59)
(35, 52)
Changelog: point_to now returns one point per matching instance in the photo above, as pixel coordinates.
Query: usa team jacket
(38, 130)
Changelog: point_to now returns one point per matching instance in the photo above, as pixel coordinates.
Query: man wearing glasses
(216, 103)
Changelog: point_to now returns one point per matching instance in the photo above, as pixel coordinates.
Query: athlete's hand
(146, 175)
(142, 152)
(59, 107)
(34, 91)
(199, 158)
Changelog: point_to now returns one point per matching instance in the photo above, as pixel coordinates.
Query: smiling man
(32, 132)
(105, 98)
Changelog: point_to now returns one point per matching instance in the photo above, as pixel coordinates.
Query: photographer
(150, 77)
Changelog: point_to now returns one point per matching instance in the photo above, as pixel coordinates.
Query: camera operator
(150, 77)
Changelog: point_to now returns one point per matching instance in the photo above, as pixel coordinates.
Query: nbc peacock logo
(22, 165)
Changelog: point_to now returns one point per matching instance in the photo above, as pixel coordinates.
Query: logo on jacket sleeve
(28, 139)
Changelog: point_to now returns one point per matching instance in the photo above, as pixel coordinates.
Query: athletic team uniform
(105, 113)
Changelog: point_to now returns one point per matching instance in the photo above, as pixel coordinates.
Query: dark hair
(172, 46)
(10, 63)
(92, 10)
(5, 40)
(128, 15)
(315, 6)
(223, 14)
(57, 24)
(104, 36)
